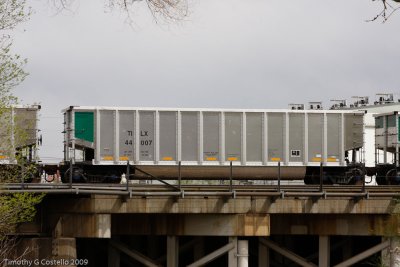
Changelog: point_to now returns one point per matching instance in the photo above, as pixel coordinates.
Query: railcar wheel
(393, 177)
(381, 180)
(111, 177)
(308, 180)
(356, 176)
(77, 175)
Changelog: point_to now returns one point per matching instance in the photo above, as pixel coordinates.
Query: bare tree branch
(161, 10)
(387, 11)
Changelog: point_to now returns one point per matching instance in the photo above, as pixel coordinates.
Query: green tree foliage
(12, 12)
(11, 74)
(14, 209)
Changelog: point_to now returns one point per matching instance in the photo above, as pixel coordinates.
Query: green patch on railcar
(84, 126)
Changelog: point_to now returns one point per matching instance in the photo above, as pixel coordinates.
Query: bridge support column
(172, 251)
(391, 255)
(324, 251)
(243, 253)
(63, 249)
(83, 225)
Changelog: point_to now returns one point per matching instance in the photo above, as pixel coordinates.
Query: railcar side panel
(334, 137)
(296, 137)
(190, 136)
(147, 136)
(254, 138)
(233, 136)
(211, 137)
(251, 138)
(19, 133)
(276, 137)
(315, 137)
(126, 135)
(387, 148)
(107, 129)
(168, 136)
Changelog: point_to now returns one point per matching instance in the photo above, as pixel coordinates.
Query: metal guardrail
(233, 191)
(176, 188)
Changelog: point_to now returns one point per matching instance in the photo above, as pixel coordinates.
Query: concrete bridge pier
(172, 251)
(391, 255)
(243, 253)
(45, 251)
(324, 251)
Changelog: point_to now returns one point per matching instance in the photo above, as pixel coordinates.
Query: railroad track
(146, 190)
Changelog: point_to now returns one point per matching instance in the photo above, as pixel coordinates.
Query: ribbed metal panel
(196, 137)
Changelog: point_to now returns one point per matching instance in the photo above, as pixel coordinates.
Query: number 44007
(142, 143)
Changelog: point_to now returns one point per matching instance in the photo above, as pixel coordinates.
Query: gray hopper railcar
(18, 134)
(101, 140)
(387, 148)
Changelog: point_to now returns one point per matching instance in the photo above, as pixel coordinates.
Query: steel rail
(194, 187)
(76, 191)
(354, 191)
(201, 187)
(183, 193)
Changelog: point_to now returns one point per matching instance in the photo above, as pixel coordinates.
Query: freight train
(100, 141)
(201, 144)
(18, 134)
(19, 139)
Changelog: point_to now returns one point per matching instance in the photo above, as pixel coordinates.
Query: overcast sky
(226, 54)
